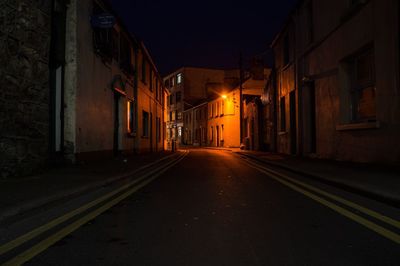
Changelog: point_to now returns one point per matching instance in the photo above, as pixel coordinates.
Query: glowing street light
(224, 96)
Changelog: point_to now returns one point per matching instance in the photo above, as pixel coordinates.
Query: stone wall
(24, 85)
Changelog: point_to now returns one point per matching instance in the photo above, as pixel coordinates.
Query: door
(313, 125)
(117, 147)
(293, 124)
(151, 131)
(217, 131)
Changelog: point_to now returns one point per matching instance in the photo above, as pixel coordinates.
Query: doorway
(117, 146)
(217, 131)
(293, 124)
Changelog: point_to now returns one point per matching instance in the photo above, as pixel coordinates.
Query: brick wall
(24, 85)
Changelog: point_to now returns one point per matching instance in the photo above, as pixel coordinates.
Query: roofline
(286, 23)
(196, 67)
(136, 42)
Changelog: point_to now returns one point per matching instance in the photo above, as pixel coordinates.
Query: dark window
(102, 38)
(170, 116)
(171, 99)
(286, 50)
(125, 55)
(178, 96)
(115, 45)
(158, 129)
(151, 79)
(310, 22)
(157, 91)
(283, 114)
(362, 76)
(166, 83)
(145, 124)
(144, 70)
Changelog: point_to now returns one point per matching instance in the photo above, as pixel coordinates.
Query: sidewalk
(378, 182)
(19, 195)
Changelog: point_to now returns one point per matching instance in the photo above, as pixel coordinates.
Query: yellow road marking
(372, 226)
(44, 244)
(353, 205)
(43, 228)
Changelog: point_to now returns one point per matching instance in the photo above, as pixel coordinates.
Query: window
(211, 134)
(222, 132)
(130, 117)
(172, 82)
(286, 50)
(125, 54)
(178, 96)
(355, 3)
(102, 38)
(145, 124)
(171, 99)
(166, 83)
(216, 108)
(158, 129)
(157, 91)
(179, 115)
(179, 78)
(283, 114)
(170, 116)
(362, 90)
(115, 45)
(310, 22)
(144, 70)
(151, 79)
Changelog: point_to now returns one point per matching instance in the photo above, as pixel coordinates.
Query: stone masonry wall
(24, 85)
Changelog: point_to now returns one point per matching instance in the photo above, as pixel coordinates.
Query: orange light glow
(224, 96)
(128, 116)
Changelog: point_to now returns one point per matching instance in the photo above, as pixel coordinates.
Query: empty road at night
(218, 208)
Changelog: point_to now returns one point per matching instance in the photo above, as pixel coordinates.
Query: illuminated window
(179, 78)
(130, 116)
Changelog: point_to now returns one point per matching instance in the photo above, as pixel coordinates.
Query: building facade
(189, 86)
(113, 92)
(80, 86)
(224, 114)
(338, 81)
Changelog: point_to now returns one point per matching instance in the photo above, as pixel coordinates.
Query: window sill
(131, 134)
(358, 126)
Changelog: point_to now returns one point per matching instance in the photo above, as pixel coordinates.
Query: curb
(386, 199)
(10, 212)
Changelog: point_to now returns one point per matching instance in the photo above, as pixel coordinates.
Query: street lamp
(224, 97)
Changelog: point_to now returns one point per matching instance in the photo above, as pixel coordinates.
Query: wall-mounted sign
(103, 21)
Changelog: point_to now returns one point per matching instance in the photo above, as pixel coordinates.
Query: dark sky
(203, 33)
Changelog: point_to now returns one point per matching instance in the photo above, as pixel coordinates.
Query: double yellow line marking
(44, 244)
(306, 189)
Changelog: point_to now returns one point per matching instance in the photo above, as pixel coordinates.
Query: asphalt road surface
(213, 208)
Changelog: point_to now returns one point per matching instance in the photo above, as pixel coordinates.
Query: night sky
(208, 33)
